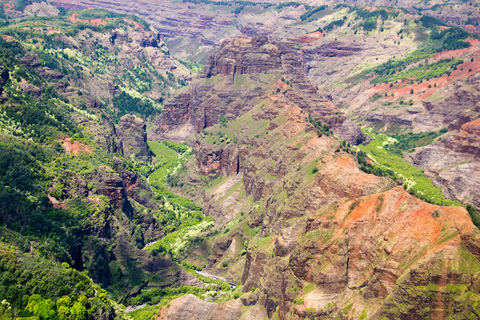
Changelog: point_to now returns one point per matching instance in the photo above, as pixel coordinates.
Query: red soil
(467, 139)
(457, 53)
(309, 37)
(371, 9)
(470, 28)
(93, 22)
(56, 203)
(74, 147)
(473, 125)
(161, 314)
(52, 31)
(75, 20)
(421, 91)
(8, 38)
(98, 22)
(444, 28)
(411, 214)
(137, 26)
(9, 6)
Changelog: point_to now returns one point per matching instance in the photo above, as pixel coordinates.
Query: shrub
(473, 215)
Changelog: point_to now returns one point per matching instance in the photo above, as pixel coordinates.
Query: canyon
(213, 160)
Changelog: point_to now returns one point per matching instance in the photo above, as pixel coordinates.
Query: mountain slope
(331, 239)
(75, 161)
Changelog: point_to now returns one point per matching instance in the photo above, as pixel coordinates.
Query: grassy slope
(413, 177)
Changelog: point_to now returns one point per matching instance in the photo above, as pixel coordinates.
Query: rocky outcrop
(108, 183)
(32, 61)
(142, 38)
(237, 77)
(334, 49)
(460, 102)
(218, 160)
(30, 89)
(42, 9)
(453, 163)
(133, 136)
(138, 189)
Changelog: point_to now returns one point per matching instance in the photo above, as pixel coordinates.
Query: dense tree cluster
(125, 103)
(310, 12)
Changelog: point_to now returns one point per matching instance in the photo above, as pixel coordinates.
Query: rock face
(132, 133)
(237, 77)
(32, 60)
(453, 163)
(108, 183)
(41, 9)
(334, 242)
(213, 160)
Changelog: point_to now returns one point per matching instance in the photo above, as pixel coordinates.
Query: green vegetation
(288, 4)
(36, 279)
(225, 286)
(370, 19)
(368, 167)
(310, 12)
(408, 142)
(474, 215)
(390, 164)
(189, 226)
(182, 218)
(368, 25)
(41, 236)
(43, 288)
(321, 129)
(365, 14)
(451, 39)
(389, 72)
(411, 66)
(155, 295)
(80, 63)
(331, 25)
(431, 22)
(309, 288)
(168, 163)
(125, 104)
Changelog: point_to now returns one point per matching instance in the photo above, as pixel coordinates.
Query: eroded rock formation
(237, 77)
(133, 135)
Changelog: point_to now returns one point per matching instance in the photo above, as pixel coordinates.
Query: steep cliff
(238, 76)
(133, 135)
